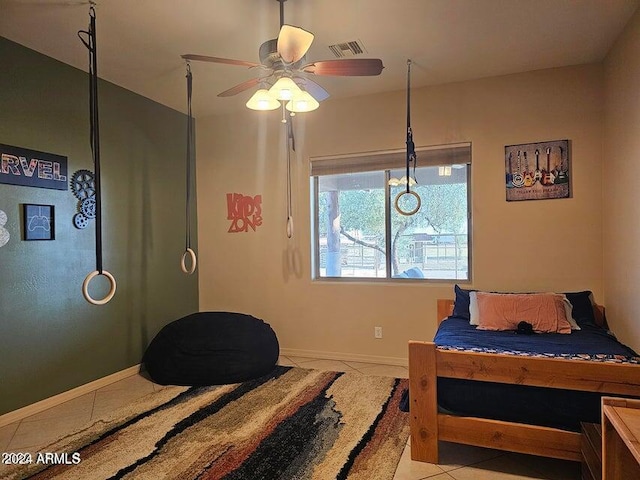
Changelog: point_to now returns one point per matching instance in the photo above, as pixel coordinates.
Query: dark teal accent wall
(51, 339)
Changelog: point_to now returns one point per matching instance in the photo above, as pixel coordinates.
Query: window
(358, 233)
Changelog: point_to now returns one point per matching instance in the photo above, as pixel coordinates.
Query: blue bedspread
(590, 340)
(516, 403)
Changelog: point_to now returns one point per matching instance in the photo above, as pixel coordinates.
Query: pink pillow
(503, 311)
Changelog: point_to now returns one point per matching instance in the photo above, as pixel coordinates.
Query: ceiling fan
(284, 71)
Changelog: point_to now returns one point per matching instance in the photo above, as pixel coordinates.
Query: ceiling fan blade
(315, 90)
(346, 67)
(229, 61)
(241, 87)
(293, 43)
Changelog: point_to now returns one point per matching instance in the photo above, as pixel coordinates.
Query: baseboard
(347, 357)
(47, 403)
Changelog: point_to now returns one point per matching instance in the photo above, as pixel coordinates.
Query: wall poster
(537, 171)
(31, 168)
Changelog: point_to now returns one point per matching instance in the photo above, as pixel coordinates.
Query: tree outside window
(358, 227)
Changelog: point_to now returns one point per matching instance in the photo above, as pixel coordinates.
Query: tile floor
(458, 462)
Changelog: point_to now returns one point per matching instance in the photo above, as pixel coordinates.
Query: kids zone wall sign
(31, 168)
(244, 211)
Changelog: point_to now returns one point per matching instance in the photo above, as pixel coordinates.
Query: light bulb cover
(302, 102)
(284, 89)
(262, 100)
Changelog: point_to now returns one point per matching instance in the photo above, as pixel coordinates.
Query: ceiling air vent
(347, 49)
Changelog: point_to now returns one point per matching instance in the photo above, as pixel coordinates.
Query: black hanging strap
(188, 252)
(94, 140)
(411, 156)
(411, 149)
(190, 143)
(281, 12)
(290, 145)
(94, 134)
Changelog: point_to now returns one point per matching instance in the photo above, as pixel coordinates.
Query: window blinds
(459, 153)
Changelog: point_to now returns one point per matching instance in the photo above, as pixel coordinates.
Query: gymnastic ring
(183, 267)
(411, 212)
(85, 287)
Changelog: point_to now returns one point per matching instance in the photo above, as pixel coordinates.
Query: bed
(432, 366)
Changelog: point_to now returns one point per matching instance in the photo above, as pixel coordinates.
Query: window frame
(385, 161)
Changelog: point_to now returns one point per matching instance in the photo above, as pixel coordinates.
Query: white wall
(621, 195)
(547, 245)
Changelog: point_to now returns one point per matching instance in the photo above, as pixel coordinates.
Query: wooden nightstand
(621, 438)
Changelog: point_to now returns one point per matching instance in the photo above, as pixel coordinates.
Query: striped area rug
(291, 424)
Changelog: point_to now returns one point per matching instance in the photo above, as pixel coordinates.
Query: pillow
(461, 304)
(474, 318)
(568, 310)
(503, 311)
(473, 310)
(582, 303)
(568, 306)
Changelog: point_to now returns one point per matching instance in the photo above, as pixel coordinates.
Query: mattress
(549, 407)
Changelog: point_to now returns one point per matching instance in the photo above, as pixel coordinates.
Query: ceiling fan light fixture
(284, 58)
(262, 100)
(284, 89)
(302, 102)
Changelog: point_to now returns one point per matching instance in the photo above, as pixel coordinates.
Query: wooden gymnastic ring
(411, 212)
(85, 288)
(194, 262)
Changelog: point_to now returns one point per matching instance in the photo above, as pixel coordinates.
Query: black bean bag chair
(212, 348)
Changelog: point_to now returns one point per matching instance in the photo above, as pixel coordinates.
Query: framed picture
(39, 222)
(537, 171)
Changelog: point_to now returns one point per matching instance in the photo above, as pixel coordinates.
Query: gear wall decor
(80, 221)
(83, 187)
(4, 233)
(88, 207)
(83, 184)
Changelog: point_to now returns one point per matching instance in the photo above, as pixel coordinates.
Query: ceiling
(140, 41)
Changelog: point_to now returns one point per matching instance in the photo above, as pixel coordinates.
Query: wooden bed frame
(428, 426)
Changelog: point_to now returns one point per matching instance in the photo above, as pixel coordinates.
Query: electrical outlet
(377, 332)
